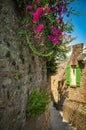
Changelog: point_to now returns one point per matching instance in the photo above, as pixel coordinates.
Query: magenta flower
(35, 20)
(29, 7)
(55, 32)
(37, 14)
(50, 37)
(39, 28)
(39, 11)
(53, 39)
(35, 17)
(47, 10)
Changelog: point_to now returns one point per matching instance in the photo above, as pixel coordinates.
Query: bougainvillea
(46, 24)
(47, 27)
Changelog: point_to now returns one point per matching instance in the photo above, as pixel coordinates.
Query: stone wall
(20, 70)
(55, 79)
(54, 90)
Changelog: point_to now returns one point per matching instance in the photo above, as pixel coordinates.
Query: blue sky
(79, 22)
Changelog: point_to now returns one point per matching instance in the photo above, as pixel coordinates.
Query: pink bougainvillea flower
(53, 39)
(55, 32)
(50, 37)
(47, 10)
(37, 14)
(35, 17)
(39, 11)
(33, 14)
(36, 1)
(39, 28)
(60, 32)
(29, 7)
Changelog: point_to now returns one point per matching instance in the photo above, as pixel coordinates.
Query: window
(73, 75)
(68, 75)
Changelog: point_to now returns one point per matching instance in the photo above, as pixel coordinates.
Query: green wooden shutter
(68, 75)
(77, 76)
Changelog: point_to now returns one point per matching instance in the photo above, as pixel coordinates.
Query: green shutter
(68, 75)
(77, 76)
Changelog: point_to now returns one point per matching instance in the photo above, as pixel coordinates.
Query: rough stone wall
(20, 70)
(54, 90)
(55, 79)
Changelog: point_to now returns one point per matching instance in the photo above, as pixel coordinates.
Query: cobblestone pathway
(56, 122)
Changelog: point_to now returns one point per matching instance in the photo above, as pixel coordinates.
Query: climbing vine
(47, 26)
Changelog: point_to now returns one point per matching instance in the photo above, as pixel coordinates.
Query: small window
(73, 76)
(68, 75)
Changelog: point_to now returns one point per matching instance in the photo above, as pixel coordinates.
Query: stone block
(3, 97)
(7, 81)
(3, 63)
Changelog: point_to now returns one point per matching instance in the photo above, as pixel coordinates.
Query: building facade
(72, 88)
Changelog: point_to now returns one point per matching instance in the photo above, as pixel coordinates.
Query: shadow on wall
(55, 104)
(63, 93)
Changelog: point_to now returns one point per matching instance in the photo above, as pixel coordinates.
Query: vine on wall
(47, 26)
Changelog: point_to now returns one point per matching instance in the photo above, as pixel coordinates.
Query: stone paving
(56, 122)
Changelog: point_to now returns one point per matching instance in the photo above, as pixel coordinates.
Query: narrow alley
(56, 121)
(42, 70)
